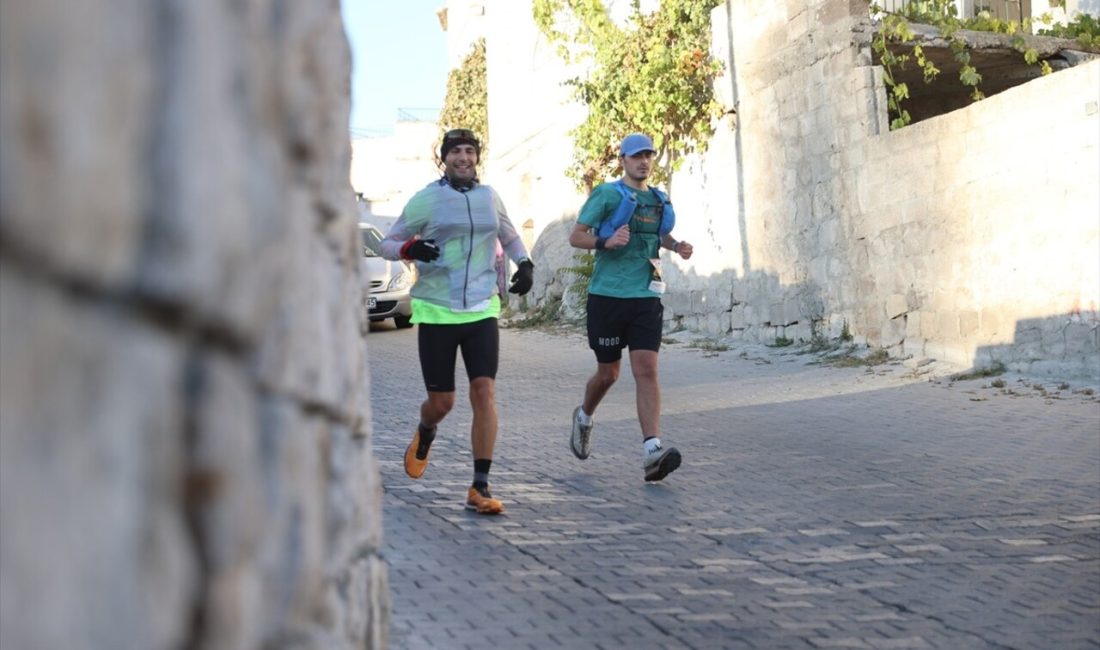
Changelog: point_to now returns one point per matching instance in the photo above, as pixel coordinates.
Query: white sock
(651, 445)
(585, 419)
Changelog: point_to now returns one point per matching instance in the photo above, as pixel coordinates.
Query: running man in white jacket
(451, 229)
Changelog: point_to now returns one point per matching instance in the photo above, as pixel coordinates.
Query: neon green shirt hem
(433, 314)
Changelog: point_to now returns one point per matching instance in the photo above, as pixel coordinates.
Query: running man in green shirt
(624, 304)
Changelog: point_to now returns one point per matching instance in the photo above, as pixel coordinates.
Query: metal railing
(1002, 9)
(417, 114)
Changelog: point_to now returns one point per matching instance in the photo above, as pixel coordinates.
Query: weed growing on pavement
(707, 345)
(781, 342)
(997, 383)
(851, 360)
(997, 368)
(821, 344)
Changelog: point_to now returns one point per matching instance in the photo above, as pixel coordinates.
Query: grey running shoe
(661, 462)
(581, 440)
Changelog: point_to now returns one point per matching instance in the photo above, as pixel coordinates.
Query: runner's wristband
(601, 243)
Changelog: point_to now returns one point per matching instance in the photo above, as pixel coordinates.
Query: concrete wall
(185, 456)
(970, 238)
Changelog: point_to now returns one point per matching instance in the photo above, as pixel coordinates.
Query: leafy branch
(653, 75)
(942, 14)
(466, 104)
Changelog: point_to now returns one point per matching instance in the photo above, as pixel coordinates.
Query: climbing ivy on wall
(942, 14)
(466, 104)
(653, 75)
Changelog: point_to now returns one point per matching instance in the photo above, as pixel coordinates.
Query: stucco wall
(184, 419)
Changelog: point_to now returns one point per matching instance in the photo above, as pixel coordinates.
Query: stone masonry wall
(185, 455)
(971, 238)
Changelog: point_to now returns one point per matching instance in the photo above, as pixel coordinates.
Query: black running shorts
(439, 344)
(615, 323)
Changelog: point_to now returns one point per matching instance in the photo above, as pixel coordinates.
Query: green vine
(466, 104)
(654, 75)
(942, 14)
(1084, 27)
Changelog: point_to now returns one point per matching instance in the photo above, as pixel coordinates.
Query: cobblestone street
(817, 507)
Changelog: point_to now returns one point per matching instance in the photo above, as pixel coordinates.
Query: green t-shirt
(627, 271)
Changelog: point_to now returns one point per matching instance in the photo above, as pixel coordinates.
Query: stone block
(799, 333)
(947, 326)
(354, 494)
(774, 314)
(913, 325)
(740, 291)
(232, 608)
(819, 270)
(357, 602)
(228, 500)
(896, 305)
(893, 332)
(292, 555)
(713, 299)
(1082, 339)
(92, 462)
(78, 107)
(738, 317)
(678, 302)
(968, 324)
(935, 349)
(913, 346)
(725, 323)
(712, 324)
(1027, 332)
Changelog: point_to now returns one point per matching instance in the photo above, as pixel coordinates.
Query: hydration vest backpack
(626, 210)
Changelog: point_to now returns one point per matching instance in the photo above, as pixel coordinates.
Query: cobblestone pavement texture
(817, 507)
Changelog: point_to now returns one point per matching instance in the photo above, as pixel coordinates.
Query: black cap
(455, 137)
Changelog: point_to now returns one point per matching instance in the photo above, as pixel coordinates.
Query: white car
(387, 284)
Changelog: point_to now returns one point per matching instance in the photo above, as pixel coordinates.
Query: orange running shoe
(414, 464)
(479, 500)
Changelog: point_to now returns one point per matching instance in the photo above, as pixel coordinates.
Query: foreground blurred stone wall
(184, 419)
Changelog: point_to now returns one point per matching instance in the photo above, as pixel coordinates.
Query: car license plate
(372, 303)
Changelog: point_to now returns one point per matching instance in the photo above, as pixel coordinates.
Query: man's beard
(461, 184)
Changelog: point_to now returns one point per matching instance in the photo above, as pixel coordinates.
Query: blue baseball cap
(636, 143)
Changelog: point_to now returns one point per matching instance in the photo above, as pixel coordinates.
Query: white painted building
(387, 170)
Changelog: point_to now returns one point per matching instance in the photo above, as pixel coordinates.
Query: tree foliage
(653, 75)
(466, 104)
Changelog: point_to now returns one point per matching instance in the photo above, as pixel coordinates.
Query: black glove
(423, 250)
(522, 278)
